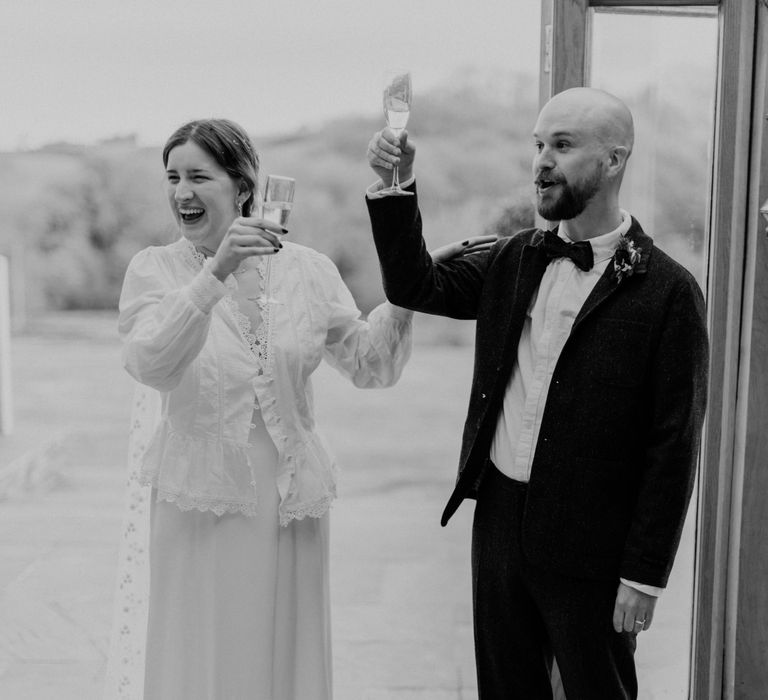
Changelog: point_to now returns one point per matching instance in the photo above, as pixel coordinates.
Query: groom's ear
(617, 159)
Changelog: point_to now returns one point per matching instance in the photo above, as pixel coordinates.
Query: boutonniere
(626, 258)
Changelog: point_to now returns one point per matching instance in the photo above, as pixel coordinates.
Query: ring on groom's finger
(640, 622)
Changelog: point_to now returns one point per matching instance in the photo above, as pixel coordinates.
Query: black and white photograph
(383, 350)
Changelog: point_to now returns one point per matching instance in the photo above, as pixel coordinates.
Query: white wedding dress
(223, 589)
(236, 607)
(248, 597)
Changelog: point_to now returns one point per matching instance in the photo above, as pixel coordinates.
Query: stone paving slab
(51, 680)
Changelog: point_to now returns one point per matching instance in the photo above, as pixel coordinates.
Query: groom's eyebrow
(558, 134)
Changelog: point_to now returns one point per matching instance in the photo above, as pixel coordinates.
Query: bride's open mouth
(191, 215)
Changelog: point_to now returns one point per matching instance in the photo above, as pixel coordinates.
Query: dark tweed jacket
(616, 455)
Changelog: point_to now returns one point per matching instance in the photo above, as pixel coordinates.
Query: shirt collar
(604, 246)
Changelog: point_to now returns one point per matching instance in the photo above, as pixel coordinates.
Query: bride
(223, 589)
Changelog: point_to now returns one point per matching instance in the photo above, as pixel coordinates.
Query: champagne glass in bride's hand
(275, 206)
(397, 109)
(278, 199)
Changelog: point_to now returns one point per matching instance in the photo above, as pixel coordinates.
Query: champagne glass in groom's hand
(397, 109)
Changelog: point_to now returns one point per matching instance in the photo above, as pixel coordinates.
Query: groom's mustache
(548, 178)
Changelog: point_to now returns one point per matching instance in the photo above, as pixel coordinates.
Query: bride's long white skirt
(239, 606)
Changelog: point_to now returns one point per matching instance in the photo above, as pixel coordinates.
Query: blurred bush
(74, 215)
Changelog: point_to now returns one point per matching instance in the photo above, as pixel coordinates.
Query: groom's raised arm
(411, 279)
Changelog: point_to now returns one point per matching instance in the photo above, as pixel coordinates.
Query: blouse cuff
(398, 313)
(205, 290)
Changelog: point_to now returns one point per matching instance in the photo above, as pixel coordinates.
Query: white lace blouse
(184, 336)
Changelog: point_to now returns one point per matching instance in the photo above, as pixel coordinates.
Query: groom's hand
(632, 607)
(385, 151)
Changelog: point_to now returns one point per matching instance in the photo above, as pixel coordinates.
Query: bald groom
(585, 412)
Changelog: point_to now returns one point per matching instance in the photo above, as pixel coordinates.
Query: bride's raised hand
(476, 244)
(246, 237)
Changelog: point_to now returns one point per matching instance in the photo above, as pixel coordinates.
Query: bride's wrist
(217, 271)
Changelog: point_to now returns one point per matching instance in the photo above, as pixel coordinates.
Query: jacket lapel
(513, 305)
(609, 281)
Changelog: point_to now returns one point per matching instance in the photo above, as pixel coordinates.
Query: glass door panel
(663, 63)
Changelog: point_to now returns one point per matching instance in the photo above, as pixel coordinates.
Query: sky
(85, 70)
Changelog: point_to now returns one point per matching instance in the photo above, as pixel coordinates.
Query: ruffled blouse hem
(311, 510)
(185, 502)
(218, 506)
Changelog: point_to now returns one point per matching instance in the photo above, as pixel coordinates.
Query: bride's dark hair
(229, 145)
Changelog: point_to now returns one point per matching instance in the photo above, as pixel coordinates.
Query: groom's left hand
(632, 606)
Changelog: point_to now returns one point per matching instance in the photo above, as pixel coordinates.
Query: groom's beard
(572, 199)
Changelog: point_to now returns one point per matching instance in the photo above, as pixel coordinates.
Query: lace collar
(191, 255)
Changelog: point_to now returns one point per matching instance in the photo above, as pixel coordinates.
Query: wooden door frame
(746, 641)
(731, 561)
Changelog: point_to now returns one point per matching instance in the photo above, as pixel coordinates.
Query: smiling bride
(223, 590)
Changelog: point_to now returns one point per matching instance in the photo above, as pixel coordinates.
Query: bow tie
(580, 253)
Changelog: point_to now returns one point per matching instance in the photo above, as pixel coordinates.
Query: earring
(239, 207)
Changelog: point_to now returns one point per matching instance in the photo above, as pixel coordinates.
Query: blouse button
(253, 426)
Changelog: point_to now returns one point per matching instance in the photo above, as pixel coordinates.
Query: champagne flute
(278, 199)
(275, 206)
(397, 109)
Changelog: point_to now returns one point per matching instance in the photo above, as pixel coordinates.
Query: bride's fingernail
(465, 243)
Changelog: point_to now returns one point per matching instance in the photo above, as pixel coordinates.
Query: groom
(585, 412)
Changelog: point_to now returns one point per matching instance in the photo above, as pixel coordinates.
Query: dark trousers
(524, 615)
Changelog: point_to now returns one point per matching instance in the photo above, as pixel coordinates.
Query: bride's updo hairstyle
(228, 145)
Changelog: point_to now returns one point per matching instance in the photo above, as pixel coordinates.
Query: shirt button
(253, 426)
